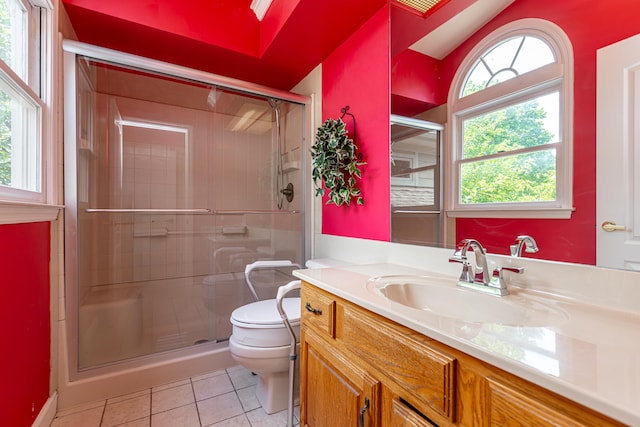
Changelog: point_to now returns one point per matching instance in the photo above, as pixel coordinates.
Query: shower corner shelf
(291, 166)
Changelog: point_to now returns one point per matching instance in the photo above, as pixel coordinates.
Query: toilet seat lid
(265, 313)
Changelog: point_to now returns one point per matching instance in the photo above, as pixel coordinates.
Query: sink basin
(442, 297)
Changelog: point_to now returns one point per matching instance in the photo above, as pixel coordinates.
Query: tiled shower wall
(201, 166)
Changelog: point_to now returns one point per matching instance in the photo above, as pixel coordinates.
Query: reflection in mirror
(416, 187)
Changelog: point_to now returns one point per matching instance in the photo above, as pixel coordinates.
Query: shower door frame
(72, 49)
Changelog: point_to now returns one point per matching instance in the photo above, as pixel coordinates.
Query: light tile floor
(223, 398)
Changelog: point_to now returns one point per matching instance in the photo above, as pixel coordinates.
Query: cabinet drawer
(425, 373)
(318, 310)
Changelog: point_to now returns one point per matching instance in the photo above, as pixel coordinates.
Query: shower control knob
(288, 192)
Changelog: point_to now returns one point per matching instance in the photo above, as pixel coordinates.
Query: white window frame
(21, 171)
(556, 76)
(35, 89)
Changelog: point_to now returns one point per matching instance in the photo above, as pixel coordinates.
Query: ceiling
(224, 36)
(445, 29)
(443, 39)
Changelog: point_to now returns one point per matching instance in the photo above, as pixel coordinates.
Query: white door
(618, 155)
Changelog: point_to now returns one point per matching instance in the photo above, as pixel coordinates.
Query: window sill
(20, 212)
(551, 213)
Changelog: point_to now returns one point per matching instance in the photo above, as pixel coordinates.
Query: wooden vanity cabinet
(360, 369)
(345, 362)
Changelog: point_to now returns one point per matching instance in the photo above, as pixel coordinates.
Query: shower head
(212, 97)
(274, 103)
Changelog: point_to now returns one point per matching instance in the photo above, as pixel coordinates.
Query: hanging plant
(336, 163)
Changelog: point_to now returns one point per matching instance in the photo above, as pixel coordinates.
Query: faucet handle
(467, 269)
(456, 257)
(497, 278)
(517, 270)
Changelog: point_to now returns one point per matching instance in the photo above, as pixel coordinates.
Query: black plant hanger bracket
(345, 112)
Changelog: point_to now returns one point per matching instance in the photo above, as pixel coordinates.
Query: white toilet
(261, 343)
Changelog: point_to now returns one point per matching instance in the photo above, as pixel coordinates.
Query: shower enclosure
(175, 180)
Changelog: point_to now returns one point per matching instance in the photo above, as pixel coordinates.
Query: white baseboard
(48, 412)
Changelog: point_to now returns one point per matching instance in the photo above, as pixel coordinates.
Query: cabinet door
(512, 406)
(334, 390)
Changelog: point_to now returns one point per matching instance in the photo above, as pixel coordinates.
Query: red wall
(24, 322)
(589, 27)
(355, 75)
(416, 83)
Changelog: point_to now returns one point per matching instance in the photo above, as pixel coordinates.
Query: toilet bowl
(261, 343)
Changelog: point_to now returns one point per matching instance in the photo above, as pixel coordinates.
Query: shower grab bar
(151, 211)
(249, 212)
(191, 211)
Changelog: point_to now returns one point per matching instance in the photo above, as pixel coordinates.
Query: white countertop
(590, 355)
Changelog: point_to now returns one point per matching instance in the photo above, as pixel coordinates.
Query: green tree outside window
(519, 177)
(5, 100)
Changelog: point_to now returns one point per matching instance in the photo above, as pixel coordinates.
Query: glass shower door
(176, 190)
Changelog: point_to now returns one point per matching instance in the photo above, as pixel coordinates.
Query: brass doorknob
(611, 226)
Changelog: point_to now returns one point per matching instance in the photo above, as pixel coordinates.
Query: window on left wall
(23, 43)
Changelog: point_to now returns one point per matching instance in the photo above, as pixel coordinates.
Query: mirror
(418, 109)
(416, 186)
(413, 95)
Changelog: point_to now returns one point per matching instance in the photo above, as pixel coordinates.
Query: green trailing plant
(336, 163)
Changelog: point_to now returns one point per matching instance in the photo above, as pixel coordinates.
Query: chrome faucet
(479, 274)
(478, 277)
(525, 242)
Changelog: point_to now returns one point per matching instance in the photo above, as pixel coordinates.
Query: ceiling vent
(423, 7)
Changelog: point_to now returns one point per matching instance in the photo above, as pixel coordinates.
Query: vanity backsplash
(617, 289)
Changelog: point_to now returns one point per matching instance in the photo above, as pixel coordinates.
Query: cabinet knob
(313, 310)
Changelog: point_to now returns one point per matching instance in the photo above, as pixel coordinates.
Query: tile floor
(223, 398)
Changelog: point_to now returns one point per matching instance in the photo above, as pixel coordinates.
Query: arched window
(511, 116)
